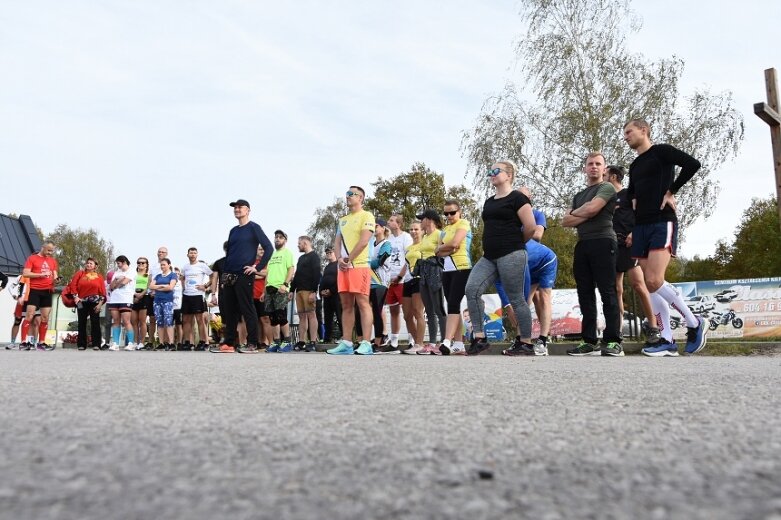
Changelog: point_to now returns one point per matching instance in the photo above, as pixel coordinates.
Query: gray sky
(144, 119)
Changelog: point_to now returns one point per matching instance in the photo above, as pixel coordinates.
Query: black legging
(86, 310)
(377, 300)
(332, 308)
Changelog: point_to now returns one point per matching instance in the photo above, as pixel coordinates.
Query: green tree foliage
(585, 85)
(407, 193)
(74, 246)
(756, 251)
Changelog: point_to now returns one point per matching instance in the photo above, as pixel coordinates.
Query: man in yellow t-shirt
(354, 274)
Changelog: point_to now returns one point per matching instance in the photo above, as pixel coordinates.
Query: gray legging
(510, 269)
(431, 294)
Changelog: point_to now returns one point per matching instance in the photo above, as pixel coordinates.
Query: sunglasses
(140, 263)
(352, 193)
(450, 213)
(494, 172)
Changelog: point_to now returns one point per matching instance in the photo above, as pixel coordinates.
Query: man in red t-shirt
(41, 269)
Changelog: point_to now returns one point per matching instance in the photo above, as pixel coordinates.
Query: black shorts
(624, 260)
(144, 304)
(121, 307)
(652, 237)
(177, 316)
(193, 304)
(410, 287)
(260, 308)
(41, 298)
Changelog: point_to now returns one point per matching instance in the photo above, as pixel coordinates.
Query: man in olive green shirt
(594, 265)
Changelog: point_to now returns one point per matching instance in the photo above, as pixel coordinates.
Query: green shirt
(281, 261)
(601, 224)
(142, 281)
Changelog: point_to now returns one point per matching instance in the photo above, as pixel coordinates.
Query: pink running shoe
(428, 349)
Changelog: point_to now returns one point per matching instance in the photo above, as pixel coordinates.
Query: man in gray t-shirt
(594, 264)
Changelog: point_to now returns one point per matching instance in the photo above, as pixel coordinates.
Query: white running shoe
(458, 349)
(130, 346)
(540, 348)
(114, 347)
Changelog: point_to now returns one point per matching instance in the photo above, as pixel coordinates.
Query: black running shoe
(300, 345)
(477, 346)
(248, 349)
(519, 348)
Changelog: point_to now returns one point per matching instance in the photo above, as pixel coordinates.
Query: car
(726, 295)
(700, 304)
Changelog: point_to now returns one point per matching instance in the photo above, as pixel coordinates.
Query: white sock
(348, 343)
(446, 342)
(458, 345)
(662, 312)
(673, 297)
(394, 340)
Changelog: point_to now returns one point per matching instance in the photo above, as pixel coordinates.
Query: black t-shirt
(219, 266)
(328, 281)
(307, 275)
(623, 216)
(503, 231)
(651, 174)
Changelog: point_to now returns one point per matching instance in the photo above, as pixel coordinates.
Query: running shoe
(285, 347)
(97, 348)
(44, 347)
(342, 349)
(696, 337)
(248, 349)
(411, 349)
(114, 347)
(614, 349)
(584, 349)
(223, 348)
(385, 340)
(274, 347)
(130, 346)
(426, 350)
(12, 346)
(519, 348)
(300, 345)
(477, 346)
(458, 349)
(387, 349)
(661, 349)
(444, 349)
(540, 348)
(310, 347)
(653, 336)
(364, 349)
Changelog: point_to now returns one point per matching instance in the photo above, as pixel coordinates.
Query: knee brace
(17, 321)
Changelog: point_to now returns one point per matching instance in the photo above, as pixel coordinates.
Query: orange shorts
(357, 280)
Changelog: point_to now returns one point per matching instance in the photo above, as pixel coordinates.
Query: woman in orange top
(88, 289)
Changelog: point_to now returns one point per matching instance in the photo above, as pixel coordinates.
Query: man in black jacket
(330, 296)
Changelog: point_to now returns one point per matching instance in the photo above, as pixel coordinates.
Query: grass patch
(728, 349)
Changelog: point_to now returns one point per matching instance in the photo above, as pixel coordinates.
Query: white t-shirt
(399, 247)
(195, 274)
(123, 294)
(178, 294)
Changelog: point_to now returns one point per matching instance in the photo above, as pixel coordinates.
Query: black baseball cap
(429, 214)
(240, 202)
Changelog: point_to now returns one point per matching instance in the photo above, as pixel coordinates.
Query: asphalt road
(154, 435)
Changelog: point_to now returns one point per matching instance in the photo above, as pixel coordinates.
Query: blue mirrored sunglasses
(494, 172)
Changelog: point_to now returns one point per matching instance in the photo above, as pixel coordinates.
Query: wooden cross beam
(769, 113)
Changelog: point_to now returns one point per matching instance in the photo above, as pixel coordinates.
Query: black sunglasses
(450, 213)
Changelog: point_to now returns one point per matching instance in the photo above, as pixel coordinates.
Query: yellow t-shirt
(429, 244)
(412, 256)
(350, 228)
(458, 259)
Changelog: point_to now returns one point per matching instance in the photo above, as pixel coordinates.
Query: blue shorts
(653, 237)
(545, 276)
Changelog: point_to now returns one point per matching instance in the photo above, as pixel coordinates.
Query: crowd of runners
(421, 272)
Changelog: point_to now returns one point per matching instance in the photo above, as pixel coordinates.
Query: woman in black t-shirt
(508, 223)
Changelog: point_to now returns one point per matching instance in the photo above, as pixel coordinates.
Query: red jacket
(87, 284)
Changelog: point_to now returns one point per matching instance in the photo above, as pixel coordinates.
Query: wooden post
(769, 113)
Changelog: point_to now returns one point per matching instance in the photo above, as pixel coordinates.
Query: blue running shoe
(660, 349)
(364, 349)
(272, 348)
(342, 349)
(285, 347)
(695, 337)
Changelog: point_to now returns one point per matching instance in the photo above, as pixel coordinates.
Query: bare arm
(527, 219)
